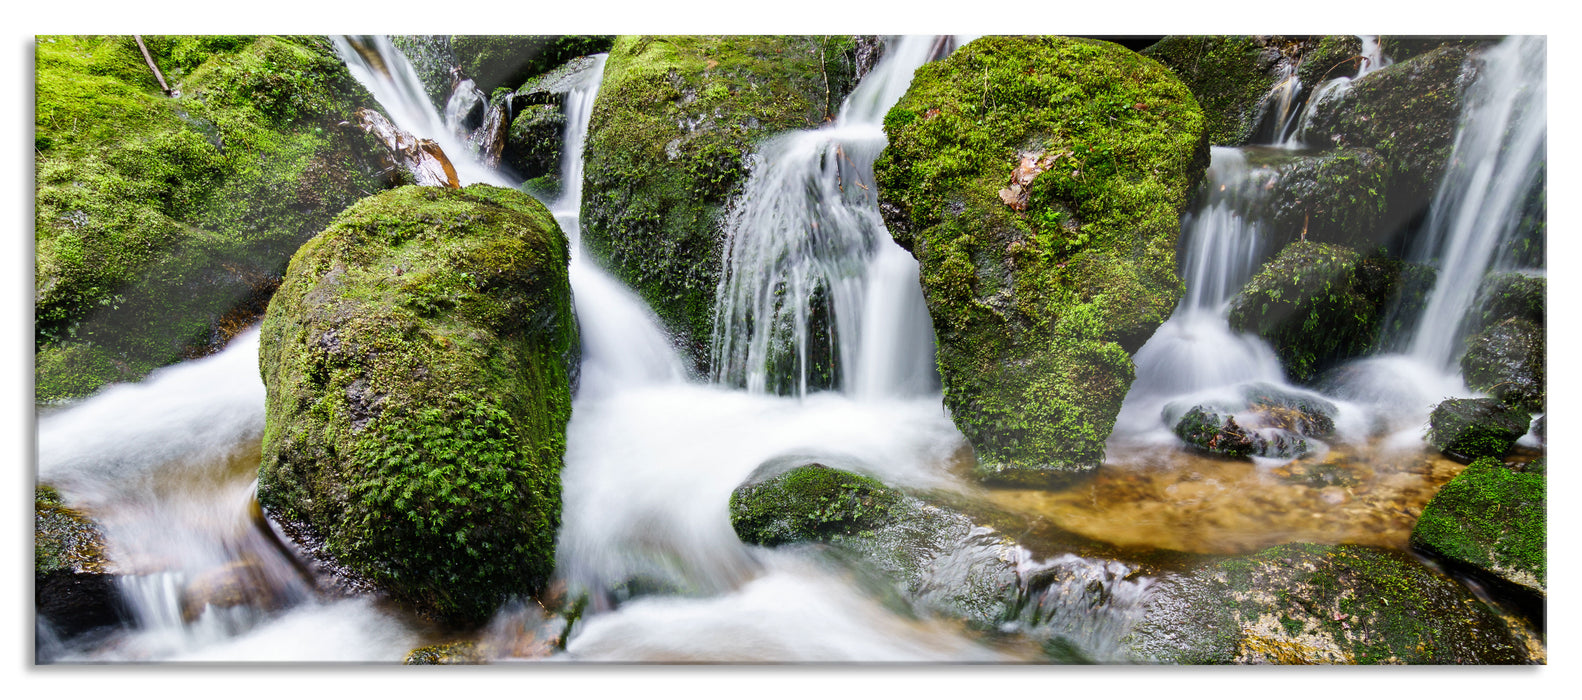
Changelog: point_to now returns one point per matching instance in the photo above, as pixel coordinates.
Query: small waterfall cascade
(1282, 106)
(1497, 159)
(390, 77)
(1370, 59)
(813, 296)
(1196, 351)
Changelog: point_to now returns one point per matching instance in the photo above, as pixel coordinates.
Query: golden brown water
(1171, 499)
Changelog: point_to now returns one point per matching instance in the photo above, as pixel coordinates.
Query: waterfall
(810, 267)
(1498, 155)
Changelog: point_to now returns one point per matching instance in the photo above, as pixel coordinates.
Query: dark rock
(451, 312)
(1319, 304)
(1335, 197)
(1217, 433)
(1507, 361)
(1037, 310)
(1510, 295)
(1275, 423)
(1467, 429)
(1318, 604)
(74, 582)
(1490, 519)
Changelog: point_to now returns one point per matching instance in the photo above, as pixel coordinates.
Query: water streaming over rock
(809, 262)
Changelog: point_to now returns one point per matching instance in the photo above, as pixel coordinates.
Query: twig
(151, 66)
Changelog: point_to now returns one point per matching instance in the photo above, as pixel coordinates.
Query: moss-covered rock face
(538, 124)
(494, 61)
(1407, 113)
(163, 223)
(810, 503)
(1314, 604)
(416, 358)
(1510, 295)
(1320, 304)
(1467, 429)
(1507, 361)
(1039, 288)
(1335, 197)
(1329, 58)
(676, 119)
(1229, 76)
(73, 578)
(1490, 519)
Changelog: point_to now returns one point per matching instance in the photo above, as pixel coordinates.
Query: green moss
(1320, 304)
(1490, 518)
(1467, 429)
(1228, 76)
(1332, 57)
(465, 652)
(675, 120)
(1337, 197)
(416, 357)
(1307, 603)
(155, 216)
(810, 503)
(1035, 311)
(64, 540)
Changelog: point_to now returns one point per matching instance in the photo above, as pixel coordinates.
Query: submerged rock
(1490, 520)
(73, 579)
(1274, 422)
(417, 361)
(1466, 429)
(676, 120)
(812, 502)
(1319, 304)
(1319, 604)
(162, 224)
(1507, 360)
(1037, 310)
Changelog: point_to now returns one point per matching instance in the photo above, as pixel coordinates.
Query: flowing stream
(824, 352)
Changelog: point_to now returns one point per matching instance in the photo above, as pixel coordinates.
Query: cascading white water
(1496, 160)
(1196, 351)
(1369, 60)
(808, 261)
(387, 73)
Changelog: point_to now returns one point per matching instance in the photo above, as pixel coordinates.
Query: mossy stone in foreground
(1319, 304)
(810, 503)
(1320, 604)
(73, 578)
(1491, 519)
(452, 654)
(162, 223)
(1467, 429)
(668, 146)
(1038, 297)
(416, 358)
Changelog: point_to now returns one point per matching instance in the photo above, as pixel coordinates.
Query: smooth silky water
(168, 465)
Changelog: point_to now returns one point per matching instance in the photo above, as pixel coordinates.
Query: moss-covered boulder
(162, 223)
(416, 358)
(810, 503)
(1043, 210)
(73, 579)
(1320, 304)
(1338, 196)
(495, 61)
(1510, 295)
(676, 119)
(1467, 429)
(538, 124)
(1407, 113)
(1318, 604)
(1507, 361)
(1490, 520)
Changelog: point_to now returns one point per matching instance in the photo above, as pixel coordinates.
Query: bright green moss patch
(676, 118)
(1036, 308)
(811, 503)
(1320, 304)
(155, 216)
(1492, 519)
(417, 359)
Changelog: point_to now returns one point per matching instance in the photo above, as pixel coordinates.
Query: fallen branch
(150, 60)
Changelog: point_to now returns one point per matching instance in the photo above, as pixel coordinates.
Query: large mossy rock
(1319, 304)
(1319, 604)
(1043, 210)
(810, 503)
(1407, 113)
(1507, 361)
(1468, 429)
(676, 120)
(163, 223)
(74, 584)
(1490, 520)
(416, 358)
